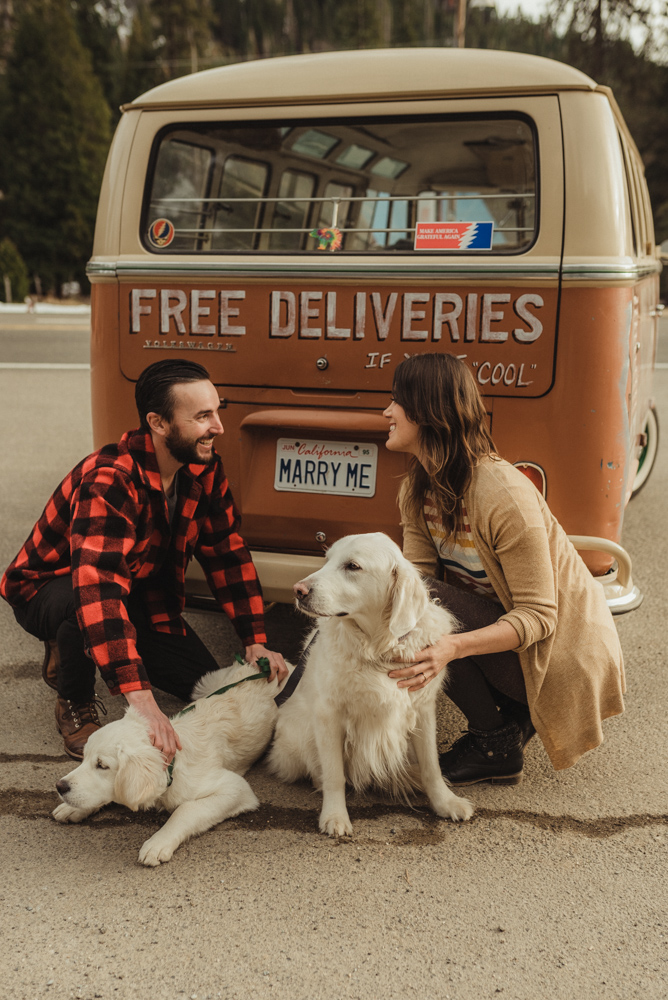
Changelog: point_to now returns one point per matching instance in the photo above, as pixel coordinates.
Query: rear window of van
(369, 186)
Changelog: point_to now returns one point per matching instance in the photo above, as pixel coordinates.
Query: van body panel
(542, 111)
(378, 74)
(594, 170)
(112, 399)
(598, 432)
(108, 222)
(301, 519)
(345, 337)
(559, 327)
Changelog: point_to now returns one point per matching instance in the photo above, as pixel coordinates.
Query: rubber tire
(648, 454)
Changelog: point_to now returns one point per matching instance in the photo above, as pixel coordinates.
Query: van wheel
(648, 454)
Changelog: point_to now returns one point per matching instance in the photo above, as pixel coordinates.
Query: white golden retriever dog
(221, 737)
(347, 720)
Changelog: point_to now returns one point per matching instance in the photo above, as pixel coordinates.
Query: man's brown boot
(76, 722)
(51, 663)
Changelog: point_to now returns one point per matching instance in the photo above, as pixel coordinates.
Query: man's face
(195, 422)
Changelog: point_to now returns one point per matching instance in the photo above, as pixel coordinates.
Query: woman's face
(403, 434)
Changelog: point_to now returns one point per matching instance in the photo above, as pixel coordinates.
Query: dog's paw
(155, 852)
(447, 805)
(68, 814)
(336, 826)
(458, 809)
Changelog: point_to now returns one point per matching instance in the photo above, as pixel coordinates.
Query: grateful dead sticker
(161, 233)
(453, 235)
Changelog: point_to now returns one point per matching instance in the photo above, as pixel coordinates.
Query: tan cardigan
(569, 649)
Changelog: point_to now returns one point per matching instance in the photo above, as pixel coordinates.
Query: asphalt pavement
(555, 889)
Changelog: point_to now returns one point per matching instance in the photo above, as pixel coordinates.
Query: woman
(539, 647)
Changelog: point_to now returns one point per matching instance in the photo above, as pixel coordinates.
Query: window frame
(348, 120)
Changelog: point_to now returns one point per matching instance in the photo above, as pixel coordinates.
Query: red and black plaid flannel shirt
(107, 524)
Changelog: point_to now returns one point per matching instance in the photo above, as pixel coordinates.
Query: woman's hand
(429, 662)
(426, 664)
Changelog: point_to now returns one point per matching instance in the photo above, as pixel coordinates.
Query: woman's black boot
(494, 756)
(519, 713)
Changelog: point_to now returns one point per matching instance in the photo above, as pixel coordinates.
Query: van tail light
(535, 474)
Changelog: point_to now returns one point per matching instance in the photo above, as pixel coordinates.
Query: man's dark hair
(153, 391)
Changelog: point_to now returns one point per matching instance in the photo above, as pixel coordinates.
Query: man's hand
(160, 730)
(276, 661)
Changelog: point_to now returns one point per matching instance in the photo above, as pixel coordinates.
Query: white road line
(44, 365)
(56, 321)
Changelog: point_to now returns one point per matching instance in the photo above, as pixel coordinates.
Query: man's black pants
(174, 663)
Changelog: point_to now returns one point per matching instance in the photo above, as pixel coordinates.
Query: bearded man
(101, 578)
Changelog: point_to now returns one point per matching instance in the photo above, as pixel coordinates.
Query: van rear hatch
(347, 337)
(300, 259)
(317, 253)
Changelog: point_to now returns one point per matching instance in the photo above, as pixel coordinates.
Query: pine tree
(13, 273)
(186, 28)
(355, 24)
(252, 28)
(56, 135)
(98, 23)
(142, 68)
(601, 22)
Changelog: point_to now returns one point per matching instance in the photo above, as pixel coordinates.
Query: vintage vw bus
(300, 225)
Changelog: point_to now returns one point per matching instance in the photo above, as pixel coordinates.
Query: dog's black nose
(62, 787)
(301, 589)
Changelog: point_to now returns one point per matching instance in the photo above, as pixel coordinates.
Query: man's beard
(185, 451)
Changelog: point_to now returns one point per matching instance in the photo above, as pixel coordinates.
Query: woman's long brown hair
(439, 394)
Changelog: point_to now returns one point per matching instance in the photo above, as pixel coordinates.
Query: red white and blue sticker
(454, 235)
(161, 233)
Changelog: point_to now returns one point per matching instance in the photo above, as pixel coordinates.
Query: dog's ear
(409, 599)
(140, 778)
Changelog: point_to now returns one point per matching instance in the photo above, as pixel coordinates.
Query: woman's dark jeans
(481, 685)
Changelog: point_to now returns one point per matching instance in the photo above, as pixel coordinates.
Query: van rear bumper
(621, 594)
(278, 572)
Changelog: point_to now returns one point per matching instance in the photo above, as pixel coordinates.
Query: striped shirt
(459, 556)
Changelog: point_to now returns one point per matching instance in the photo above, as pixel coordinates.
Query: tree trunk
(460, 25)
(599, 41)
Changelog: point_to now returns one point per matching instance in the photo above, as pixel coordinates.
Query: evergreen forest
(66, 66)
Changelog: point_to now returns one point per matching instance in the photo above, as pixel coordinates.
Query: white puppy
(221, 737)
(347, 720)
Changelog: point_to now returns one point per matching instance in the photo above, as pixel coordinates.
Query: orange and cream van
(300, 225)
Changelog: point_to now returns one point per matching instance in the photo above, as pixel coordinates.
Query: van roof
(372, 74)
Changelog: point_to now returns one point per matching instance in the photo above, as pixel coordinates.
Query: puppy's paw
(156, 851)
(68, 814)
(336, 826)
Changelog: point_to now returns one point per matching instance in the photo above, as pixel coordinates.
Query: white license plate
(343, 467)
